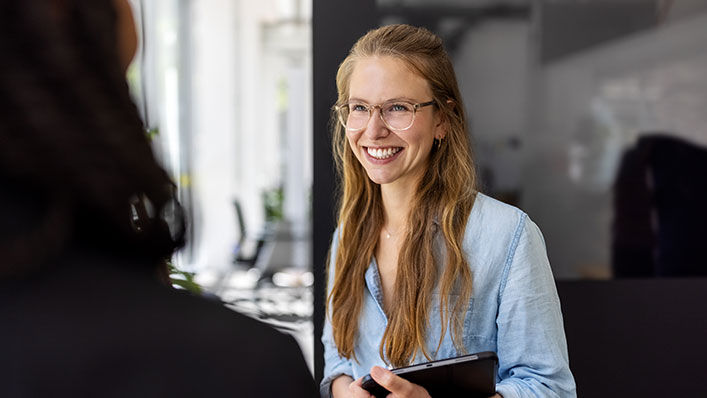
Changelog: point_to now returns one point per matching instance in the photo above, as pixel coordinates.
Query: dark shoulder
(104, 325)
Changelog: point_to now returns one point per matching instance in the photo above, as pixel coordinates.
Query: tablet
(472, 375)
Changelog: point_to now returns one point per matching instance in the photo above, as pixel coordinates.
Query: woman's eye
(358, 108)
(398, 108)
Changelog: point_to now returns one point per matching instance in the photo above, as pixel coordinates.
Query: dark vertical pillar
(336, 25)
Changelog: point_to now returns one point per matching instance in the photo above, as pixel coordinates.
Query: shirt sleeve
(334, 364)
(532, 349)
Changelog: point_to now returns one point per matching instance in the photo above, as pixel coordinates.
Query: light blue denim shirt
(514, 310)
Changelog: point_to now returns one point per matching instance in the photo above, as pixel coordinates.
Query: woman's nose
(376, 128)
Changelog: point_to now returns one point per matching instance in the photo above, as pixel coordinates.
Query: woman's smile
(382, 155)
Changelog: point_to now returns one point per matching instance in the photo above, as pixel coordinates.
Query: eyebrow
(406, 99)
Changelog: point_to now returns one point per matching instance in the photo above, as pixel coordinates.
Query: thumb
(390, 381)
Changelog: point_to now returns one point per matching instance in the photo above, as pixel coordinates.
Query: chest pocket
(434, 329)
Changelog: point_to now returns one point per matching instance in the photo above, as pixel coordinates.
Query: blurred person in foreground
(423, 266)
(89, 219)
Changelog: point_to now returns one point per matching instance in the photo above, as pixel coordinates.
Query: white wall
(492, 68)
(242, 146)
(216, 114)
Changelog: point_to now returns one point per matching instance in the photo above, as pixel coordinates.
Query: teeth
(382, 153)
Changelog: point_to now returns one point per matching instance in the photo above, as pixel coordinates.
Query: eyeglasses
(396, 115)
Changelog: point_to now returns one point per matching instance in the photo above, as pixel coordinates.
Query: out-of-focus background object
(659, 198)
(224, 87)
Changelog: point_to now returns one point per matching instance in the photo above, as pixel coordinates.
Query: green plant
(183, 279)
(273, 200)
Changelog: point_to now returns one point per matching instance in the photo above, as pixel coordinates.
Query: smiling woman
(423, 266)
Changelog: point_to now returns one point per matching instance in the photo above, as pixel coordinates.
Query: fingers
(398, 387)
(357, 391)
(393, 383)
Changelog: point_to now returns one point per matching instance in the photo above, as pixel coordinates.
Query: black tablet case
(474, 375)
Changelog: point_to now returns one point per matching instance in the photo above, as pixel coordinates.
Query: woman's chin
(379, 179)
(376, 178)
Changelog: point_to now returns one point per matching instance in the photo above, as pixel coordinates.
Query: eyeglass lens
(397, 115)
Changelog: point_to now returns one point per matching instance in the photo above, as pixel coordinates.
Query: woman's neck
(397, 200)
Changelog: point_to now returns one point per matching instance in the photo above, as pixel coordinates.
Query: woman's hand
(398, 387)
(340, 387)
(346, 387)
(356, 391)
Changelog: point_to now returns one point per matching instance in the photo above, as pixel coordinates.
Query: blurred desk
(288, 309)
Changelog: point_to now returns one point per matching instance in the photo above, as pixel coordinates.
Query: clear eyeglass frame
(343, 109)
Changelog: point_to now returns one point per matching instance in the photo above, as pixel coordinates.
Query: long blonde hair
(443, 201)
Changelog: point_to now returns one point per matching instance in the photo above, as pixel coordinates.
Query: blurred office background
(589, 115)
(225, 89)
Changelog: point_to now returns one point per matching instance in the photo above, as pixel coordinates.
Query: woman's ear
(443, 124)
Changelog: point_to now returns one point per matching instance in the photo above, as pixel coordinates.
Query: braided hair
(72, 139)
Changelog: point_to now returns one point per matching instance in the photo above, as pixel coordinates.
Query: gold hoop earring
(439, 143)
